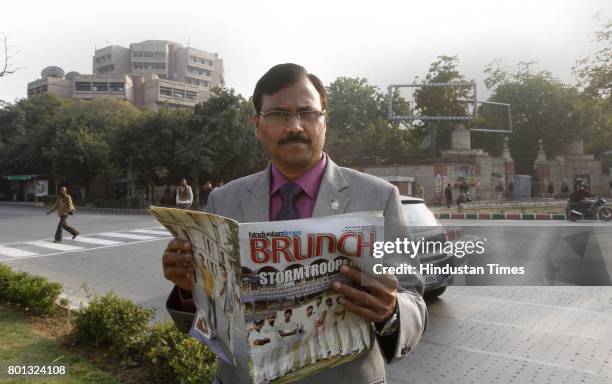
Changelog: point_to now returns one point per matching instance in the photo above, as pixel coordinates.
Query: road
(493, 334)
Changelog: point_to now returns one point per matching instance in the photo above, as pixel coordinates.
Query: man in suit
(301, 182)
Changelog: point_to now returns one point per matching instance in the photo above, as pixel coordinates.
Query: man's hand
(177, 263)
(373, 299)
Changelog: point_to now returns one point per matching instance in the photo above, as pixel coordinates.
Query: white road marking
(36, 256)
(152, 232)
(128, 236)
(14, 252)
(91, 240)
(56, 246)
(10, 251)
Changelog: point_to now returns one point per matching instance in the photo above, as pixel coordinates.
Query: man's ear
(256, 124)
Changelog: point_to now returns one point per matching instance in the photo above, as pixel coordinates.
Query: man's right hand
(177, 263)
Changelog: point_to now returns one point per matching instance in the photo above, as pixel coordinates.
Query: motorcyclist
(584, 199)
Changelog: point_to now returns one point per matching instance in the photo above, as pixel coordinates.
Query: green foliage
(594, 75)
(35, 293)
(221, 138)
(542, 108)
(114, 322)
(69, 137)
(441, 101)
(177, 357)
(357, 125)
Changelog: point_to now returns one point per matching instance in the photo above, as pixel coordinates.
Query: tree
(6, 57)
(542, 108)
(148, 143)
(441, 101)
(219, 141)
(357, 125)
(594, 76)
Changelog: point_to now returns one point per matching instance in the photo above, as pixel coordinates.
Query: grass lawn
(20, 345)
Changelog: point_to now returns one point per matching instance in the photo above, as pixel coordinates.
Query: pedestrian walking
(551, 188)
(64, 207)
(184, 195)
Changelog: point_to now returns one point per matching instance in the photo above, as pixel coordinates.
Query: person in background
(184, 195)
(64, 207)
(448, 193)
(420, 191)
(206, 190)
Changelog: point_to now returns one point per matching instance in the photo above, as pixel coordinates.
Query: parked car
(423, 224)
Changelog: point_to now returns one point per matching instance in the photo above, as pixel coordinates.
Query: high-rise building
(150, 74)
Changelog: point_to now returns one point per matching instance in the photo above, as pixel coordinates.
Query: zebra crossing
(46, 247)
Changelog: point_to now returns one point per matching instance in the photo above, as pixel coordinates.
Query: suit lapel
(330, 200)
(256, 204)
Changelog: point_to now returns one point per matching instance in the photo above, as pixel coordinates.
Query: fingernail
(337, 285)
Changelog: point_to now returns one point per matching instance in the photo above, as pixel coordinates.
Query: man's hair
(309, 307)
(281, 76)
(288, 311)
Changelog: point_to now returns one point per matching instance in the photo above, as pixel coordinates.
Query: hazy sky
(383, 41)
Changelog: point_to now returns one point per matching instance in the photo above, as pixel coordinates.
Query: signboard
(42, 188)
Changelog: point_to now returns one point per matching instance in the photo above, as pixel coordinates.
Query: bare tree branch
(7, 57)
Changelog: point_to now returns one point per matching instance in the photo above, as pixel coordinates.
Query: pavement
(476, 334)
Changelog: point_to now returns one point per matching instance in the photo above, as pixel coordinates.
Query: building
(151, 74)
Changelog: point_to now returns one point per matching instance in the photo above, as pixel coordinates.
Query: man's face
(309, 311)
(287, 316)
(293, 145)
(271, 320)
(319, 300)
(183, 182)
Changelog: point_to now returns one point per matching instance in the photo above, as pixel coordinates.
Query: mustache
(294, 138)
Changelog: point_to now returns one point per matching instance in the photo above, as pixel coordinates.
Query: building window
(191, 95)
(99, 87)
(116, 87)
(82, 87)
(149, 66)
(154, 54)
(137, 54)
(165, 91)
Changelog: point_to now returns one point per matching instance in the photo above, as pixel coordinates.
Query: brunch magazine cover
(263, 291)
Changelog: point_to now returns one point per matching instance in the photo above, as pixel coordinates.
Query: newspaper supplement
(263, 291)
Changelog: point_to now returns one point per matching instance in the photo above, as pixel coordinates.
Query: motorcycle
(575, 210)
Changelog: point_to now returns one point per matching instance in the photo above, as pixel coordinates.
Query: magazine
(263, 291)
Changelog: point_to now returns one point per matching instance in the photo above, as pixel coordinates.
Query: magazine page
(216, 288)
(293, 320)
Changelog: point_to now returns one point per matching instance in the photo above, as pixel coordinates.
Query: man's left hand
(373, 299)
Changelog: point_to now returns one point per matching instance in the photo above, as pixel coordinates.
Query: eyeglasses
(283, 117)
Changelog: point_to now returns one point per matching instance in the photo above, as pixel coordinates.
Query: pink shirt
(310, 182)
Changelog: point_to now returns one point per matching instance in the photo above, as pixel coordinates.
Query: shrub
(35, 293)
(114, 322)
(177, 357)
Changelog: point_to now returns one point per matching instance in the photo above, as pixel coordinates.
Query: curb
(498, 216)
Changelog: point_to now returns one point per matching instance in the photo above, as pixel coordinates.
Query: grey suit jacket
(248, 200)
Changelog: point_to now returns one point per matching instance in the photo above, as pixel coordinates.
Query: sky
(385, 41)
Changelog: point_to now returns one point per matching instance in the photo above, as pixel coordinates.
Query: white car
(423, 224)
